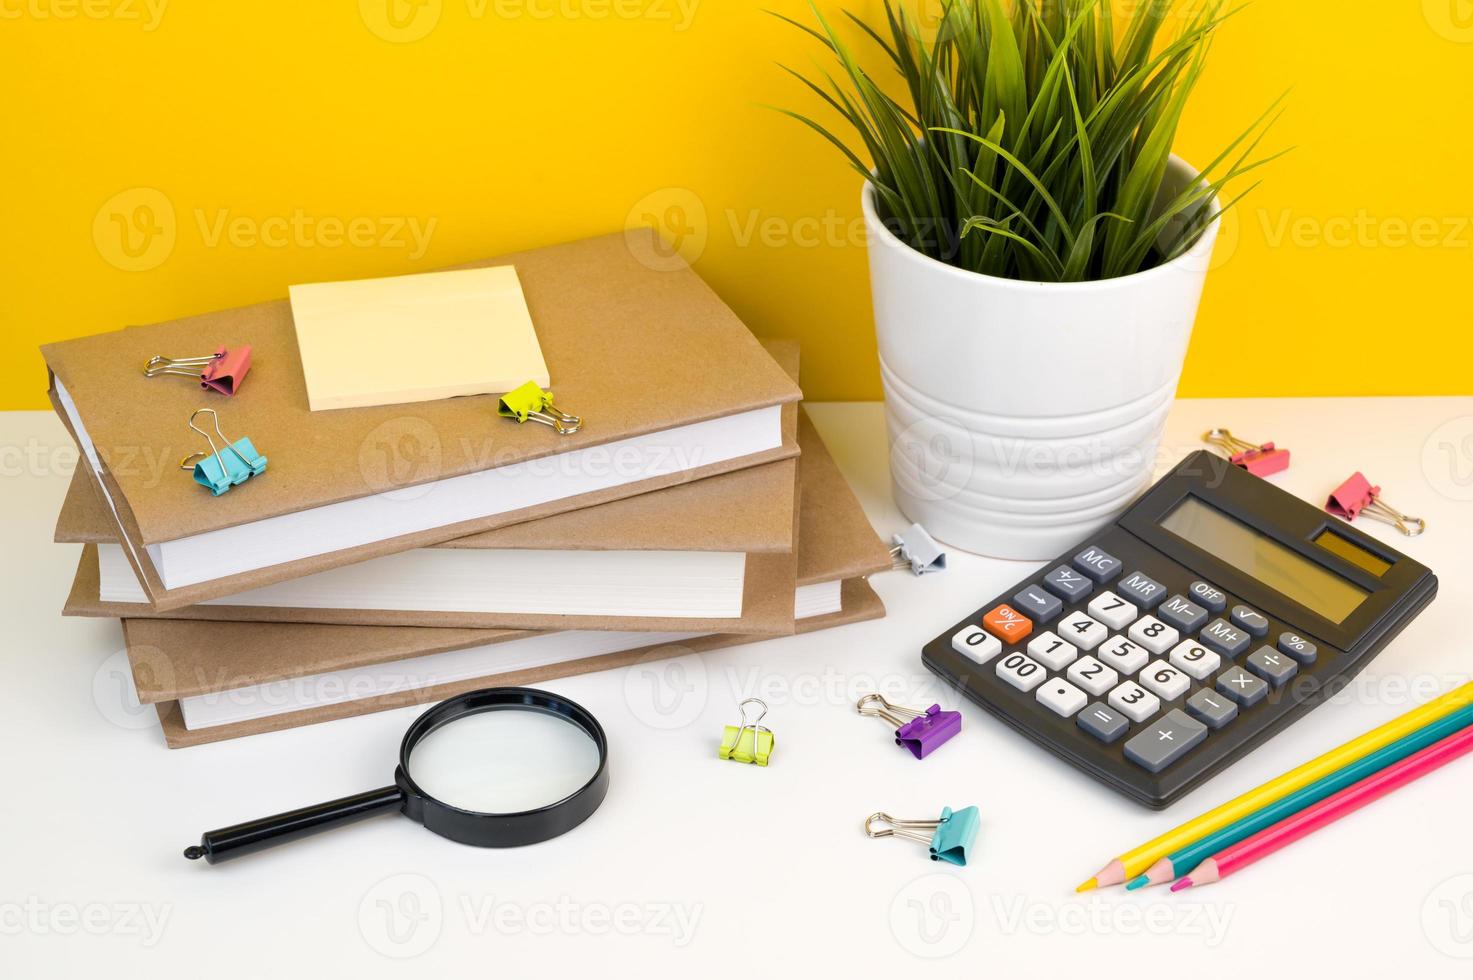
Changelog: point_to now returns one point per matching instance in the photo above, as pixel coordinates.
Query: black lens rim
(503, 829)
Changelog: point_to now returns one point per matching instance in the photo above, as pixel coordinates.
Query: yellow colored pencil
(1132, 863)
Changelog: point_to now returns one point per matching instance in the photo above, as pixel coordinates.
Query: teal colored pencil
(1184, 860)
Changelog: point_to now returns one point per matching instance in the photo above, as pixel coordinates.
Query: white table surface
(701, 868)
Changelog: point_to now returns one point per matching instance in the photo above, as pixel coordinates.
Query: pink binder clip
(919, 732)
(1264, 460)
(223, 371)
(1356, 497)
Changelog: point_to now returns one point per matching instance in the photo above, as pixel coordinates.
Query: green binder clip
(950, 838)
(748, 742)
(220, 469)
(530, 403)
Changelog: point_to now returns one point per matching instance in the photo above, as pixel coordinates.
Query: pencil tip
(1182, 885)
(1138, 883)
(1088, 886)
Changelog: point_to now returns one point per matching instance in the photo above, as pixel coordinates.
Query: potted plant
(1037, 253)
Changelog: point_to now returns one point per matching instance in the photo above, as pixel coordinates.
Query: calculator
(1208, 618)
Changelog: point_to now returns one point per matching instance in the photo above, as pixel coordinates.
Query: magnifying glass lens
(505, 761)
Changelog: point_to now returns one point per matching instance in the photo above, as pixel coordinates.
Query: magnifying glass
(502, 767)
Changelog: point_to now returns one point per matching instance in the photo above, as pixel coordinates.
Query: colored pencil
(1133, 862)
(1327, 811)
(1182, 861)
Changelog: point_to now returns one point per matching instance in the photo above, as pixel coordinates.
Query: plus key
(1007, 624)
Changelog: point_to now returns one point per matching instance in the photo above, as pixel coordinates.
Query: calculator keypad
(1134, 663)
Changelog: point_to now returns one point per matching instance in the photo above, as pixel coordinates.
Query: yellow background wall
(245, 146)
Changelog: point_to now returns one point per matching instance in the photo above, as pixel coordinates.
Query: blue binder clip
(219, 470)
(920, 732)
(950, 838)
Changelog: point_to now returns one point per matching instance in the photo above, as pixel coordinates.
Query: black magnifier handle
(257, 835)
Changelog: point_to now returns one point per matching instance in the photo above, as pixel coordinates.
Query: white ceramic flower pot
(1023, 416)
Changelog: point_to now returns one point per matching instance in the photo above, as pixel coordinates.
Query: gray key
(1208, 595)
(1182, 613)
(1225, 638)
(1170, 738)
(1066, 583)
(1098, 565)
(1103, 722)
(1211, 709)
(1241, 686)
(1251, 620)
(1298, 647)
(1144, 592)
(1272, 666)
(1037, 604)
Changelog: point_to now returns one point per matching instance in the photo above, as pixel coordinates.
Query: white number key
(1051, 651)
(1124, 655)
(1083, 632)
(1022, 672)
(1195, 660)
(1164, 680)
(1112, 610)
(1093, 676)
(977, 645)
(1154, 635)
(1062, 698)
(1134, 701)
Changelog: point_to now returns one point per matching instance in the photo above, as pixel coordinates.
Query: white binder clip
(918, 551)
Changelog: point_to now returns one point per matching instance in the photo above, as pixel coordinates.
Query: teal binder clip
(218, 470)
(950, 838)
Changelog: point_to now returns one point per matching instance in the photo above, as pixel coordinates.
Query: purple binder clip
(921, 732)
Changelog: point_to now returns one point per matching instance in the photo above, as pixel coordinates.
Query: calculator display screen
(1264, 559)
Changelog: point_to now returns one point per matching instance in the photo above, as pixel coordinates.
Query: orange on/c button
(1007, 624)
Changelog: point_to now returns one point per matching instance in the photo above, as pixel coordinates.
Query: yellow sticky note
(415, 338)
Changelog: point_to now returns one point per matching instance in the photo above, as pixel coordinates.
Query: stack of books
(398, 554)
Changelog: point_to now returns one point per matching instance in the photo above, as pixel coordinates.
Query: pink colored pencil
(1327, 811)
